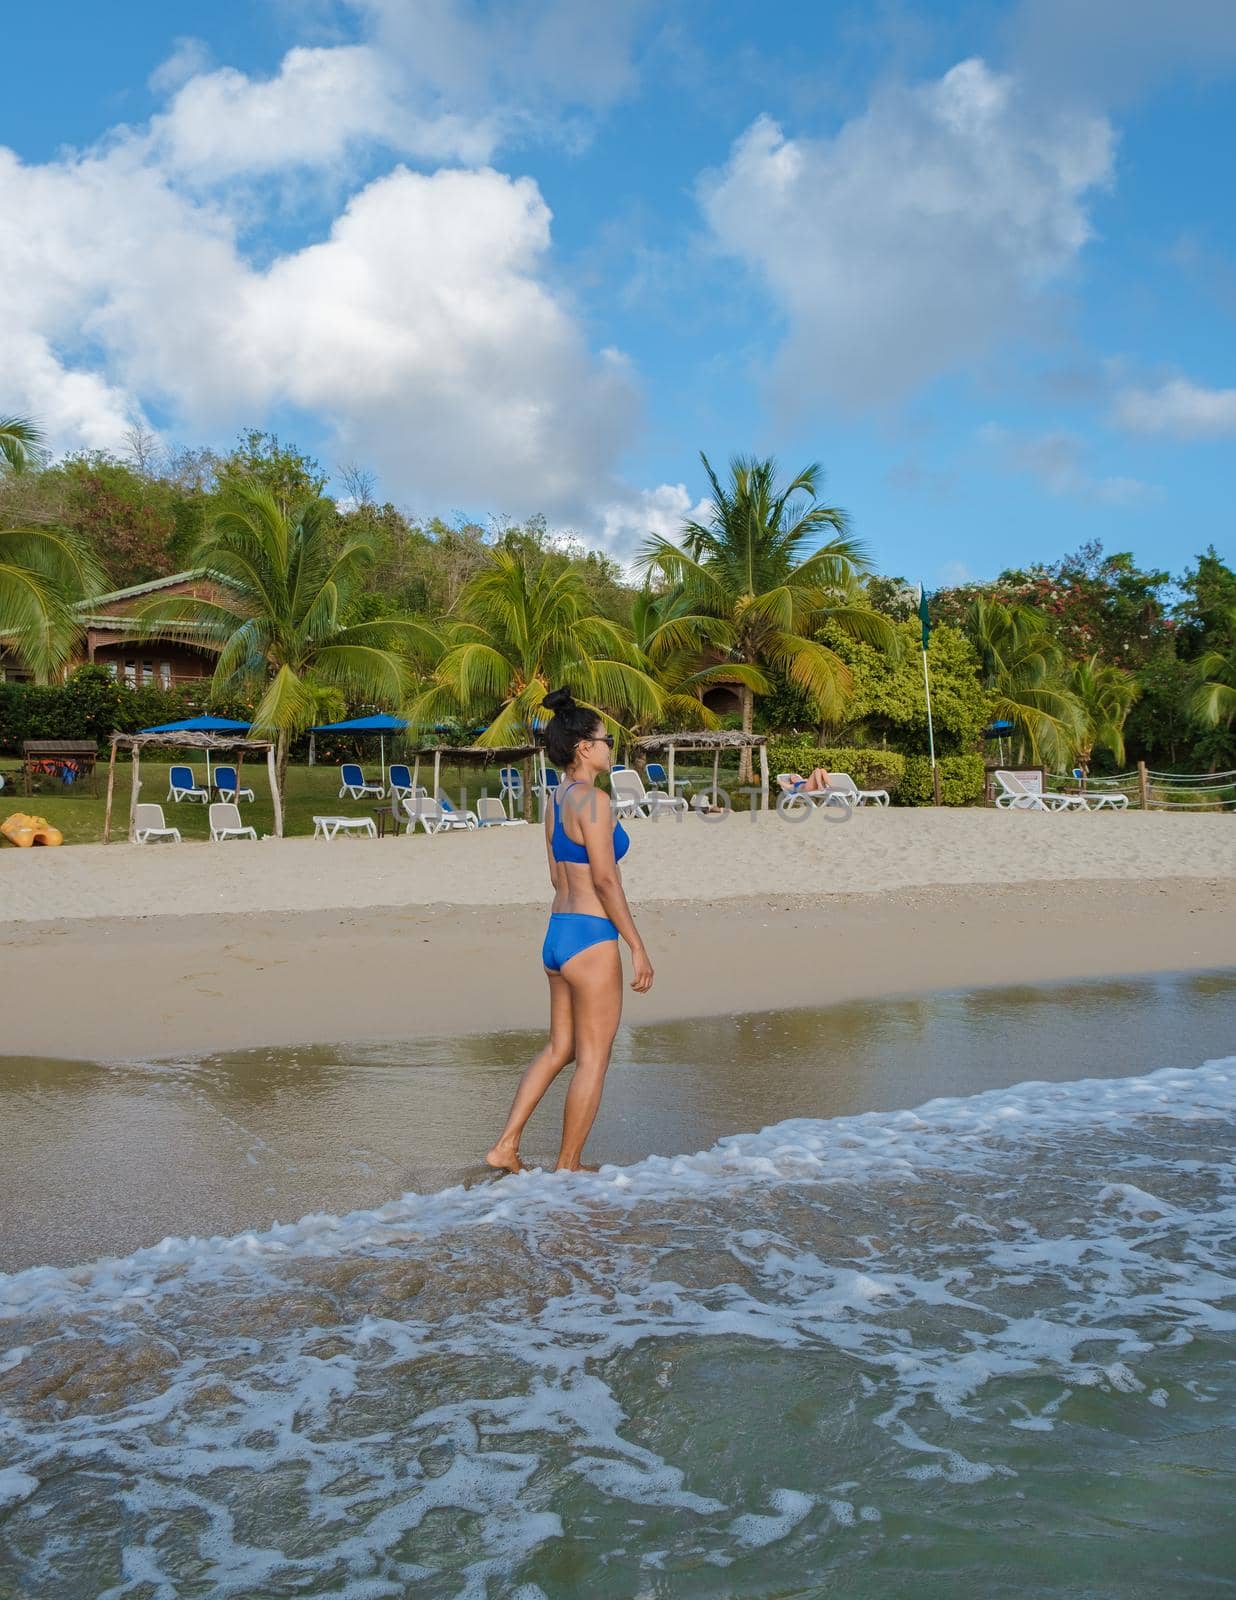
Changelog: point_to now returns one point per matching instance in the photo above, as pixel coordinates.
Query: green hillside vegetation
(348, 606)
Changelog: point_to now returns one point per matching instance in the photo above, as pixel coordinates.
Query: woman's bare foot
(505, 1158)
(582, 1167)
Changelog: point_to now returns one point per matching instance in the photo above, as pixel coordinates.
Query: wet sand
(244, 1139)
(120, 988)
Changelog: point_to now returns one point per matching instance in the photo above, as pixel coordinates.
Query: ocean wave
(781, 1357)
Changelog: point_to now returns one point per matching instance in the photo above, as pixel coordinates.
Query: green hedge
(90, 704)
(961, 781)
(907, 778)
(870, 769)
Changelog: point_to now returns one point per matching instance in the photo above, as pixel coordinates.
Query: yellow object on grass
(25, 831)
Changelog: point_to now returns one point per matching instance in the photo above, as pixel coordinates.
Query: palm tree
(278, 622)
(1105, 695)
(21, 444)
(682, 651)
(522, 625)
(1213, 702)
(758, 565)
(1022, 667)
(44, 572)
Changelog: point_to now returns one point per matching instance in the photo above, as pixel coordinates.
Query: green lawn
(79, 816)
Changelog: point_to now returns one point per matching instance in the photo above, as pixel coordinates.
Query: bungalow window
(147, 671)
(165, 674)
(130, 674)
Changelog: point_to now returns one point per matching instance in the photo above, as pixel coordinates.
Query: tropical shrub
(888, 700)
(870, 769)
(91, 704)
(961, 781)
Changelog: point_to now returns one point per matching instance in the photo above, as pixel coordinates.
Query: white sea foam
(946, 1134)
(656, 1364)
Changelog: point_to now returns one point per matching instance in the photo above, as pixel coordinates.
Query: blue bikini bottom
(569, 932)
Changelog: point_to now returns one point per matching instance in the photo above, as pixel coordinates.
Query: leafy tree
(279, 623)
(1207, 606)
(128, 520)
(888, 703)
(292, 478)
(1160, 728)
(523, 625)
(1105, 696)
(758, 565)
(1087, 602)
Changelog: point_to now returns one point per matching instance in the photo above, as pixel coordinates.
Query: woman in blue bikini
(590, 914)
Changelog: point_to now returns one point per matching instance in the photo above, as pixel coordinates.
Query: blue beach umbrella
(381, 724)
(203, 724)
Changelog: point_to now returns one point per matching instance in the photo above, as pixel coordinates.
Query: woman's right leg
(538, 1076)
(595, 979)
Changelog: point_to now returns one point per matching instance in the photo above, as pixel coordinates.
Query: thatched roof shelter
(700, 739)
(714, 739)
(184, 739)
(481, 755)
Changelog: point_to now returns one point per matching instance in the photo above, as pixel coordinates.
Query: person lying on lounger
(792, 782)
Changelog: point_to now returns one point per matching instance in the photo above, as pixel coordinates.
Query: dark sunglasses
(603, 738)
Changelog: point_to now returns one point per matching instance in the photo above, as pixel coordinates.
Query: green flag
(922, 615)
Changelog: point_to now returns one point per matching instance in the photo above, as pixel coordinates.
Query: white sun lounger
(330, 827)
(150, 823)
(225, 823)
(491, 813)
(816, 797)
(631, 799)
(843, 784)
(432, 815)
(1016, 796)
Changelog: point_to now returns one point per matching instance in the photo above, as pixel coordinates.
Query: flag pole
(931, 735)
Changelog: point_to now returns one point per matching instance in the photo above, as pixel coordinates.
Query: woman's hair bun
(558, 700)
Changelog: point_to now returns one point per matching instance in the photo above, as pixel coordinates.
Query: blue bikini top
(565, 849)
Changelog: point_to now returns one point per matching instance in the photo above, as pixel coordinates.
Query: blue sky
(532, 255)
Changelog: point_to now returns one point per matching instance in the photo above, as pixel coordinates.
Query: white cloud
(624, 523)
(421, 330)
(1057, 462)
(320, 105)
(517, 61)
(1180, 409)
(189, 57)
(445, 80)
(921, 234)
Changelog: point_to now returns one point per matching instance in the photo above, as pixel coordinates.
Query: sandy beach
(167, 950)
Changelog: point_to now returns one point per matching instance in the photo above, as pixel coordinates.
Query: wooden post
(670, 770)
(935, 787)
(274, 789)
(1143, 785)
(437, 768)
(134, 788)
(763, 777)
(111, 789)
(526, 769)
(716, 772)
(416, 772)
